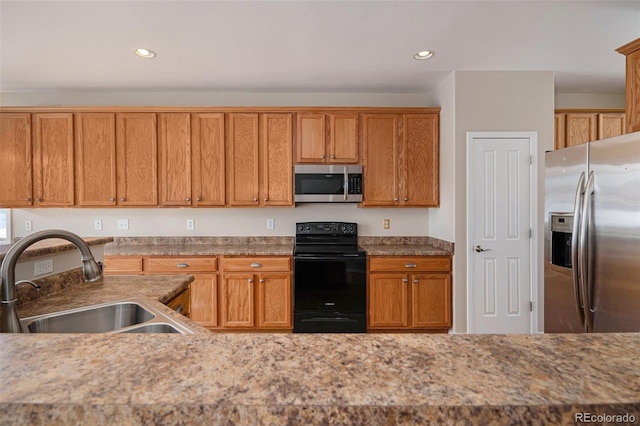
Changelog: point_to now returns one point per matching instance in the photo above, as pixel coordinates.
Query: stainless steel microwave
(328, 184)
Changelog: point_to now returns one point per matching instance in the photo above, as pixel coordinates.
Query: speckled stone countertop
(349, 379)
(264, 246)
(51, 246)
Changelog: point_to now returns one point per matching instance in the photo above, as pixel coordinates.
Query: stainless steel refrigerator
(592, 237)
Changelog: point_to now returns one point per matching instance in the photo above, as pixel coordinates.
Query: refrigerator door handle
(585, 259)
(575, 248)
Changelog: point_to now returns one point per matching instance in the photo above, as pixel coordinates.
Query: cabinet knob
(188, 199)
(415, 281)
(250, 280)
(404, 280)
(395, 199)
(322, 156)
(123, 199)
(180, 309)
(198, 199)
(38, 200)
(333, 156)
(266, 198)
(28, 199)
(261, 280)
(112, 199)
(406, 198)
(255, 200)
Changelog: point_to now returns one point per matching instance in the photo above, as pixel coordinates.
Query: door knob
(480, 249)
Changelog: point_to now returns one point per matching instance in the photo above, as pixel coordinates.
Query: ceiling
(312, 46)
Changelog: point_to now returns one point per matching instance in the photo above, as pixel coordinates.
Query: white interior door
(499, 220)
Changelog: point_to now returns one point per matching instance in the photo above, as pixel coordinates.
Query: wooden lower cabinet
(409, 293)
(181, 303)
(204, 299)
(255, 293)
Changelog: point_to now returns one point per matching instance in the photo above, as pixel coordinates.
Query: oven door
(331, 283)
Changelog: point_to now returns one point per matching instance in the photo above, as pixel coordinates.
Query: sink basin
(152, 328)
(126, 316)
(93, 319)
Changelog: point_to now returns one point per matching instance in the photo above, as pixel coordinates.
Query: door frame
(533, 222)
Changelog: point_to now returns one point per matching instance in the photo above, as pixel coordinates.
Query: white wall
(589, 100)
(498, 101)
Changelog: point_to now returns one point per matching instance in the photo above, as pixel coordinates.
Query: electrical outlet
(271, 224)
(386, 223)
(43, 267)
(191, 224)
(123, 223)
(28, 225)
(97, 225)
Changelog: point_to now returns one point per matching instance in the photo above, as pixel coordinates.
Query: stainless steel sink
(126, 316)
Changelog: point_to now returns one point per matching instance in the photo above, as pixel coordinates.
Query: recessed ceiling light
(424, 54)
(144, 53)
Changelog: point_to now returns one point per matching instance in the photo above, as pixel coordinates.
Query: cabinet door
(431, 301)
(420, 162)
(277, 173)
(581, 128)
(16, 189)
(237, 300)
(381, 148)
(204, 300)
(53, 160)
(343, 138)
(311, 138)
(633, 91)
(242, 160)
(137, 159)
(175, 159)
(559, 128)
(208, 159)
(274, 300)
(95, 143)
(388, 301)
(610, 125)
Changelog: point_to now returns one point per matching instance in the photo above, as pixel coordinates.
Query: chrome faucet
(9, 321)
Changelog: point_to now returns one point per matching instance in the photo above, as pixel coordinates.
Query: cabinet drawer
(122, 265)
(256, 264)
(410, 264)
(182, 264)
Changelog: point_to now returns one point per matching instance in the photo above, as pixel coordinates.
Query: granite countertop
(376, 379)
(267, 246)
(51, 246)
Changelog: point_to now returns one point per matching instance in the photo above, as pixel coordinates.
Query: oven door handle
(330, 257)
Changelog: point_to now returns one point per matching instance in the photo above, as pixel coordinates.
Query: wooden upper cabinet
(610, 125)
(559, 130)
(137, 159)
(277, 170)
(242, 158)
(420, 146)
(327, 138)
(581, 128)
(16, 189)
(95, 144)
(381, 168)
(53, 160)
(632, 51)
(208, 159)
(174, 148)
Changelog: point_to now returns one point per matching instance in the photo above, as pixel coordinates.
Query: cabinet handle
(415, 281)
(256, 265)
(198, 199)
(182, 265)
(188, 199)
(404, 280)
(333, 156)
(255, 200)
(261, 280)
(38, 200)
(266, 199)
(28, 199)
(179, 309)
(123, 199)
(395, 199)
(250, 280)
(112, 199)
(322, 156)
(406, 198)
(410, 265)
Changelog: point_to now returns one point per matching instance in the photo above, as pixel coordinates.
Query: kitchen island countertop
(258, 378)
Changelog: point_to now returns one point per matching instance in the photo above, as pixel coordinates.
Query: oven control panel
(346, 228)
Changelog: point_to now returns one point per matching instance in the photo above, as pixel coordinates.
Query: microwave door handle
(346, 183)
